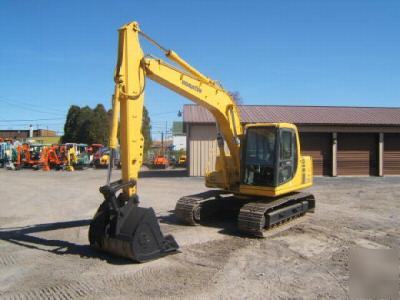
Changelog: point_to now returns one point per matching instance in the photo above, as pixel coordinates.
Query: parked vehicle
(160, 162)
(181, 163)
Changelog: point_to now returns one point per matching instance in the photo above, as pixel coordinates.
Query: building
(341, 140)
(37, 136)
(158, 147)
(178, 136)
(46, 140)
(21, 134)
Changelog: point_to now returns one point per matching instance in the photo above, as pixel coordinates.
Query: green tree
(86, 131)
(86, 125)
(146, 132)
(101, 124)
(71, 124)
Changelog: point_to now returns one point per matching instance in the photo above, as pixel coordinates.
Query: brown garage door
(392, 154)
(357, 154)
(318, 146)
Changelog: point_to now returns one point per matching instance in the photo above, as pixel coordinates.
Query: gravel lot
(44, 249)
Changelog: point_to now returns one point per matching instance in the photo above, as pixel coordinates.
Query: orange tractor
(56, 156)
(33, 156)
(160, 162)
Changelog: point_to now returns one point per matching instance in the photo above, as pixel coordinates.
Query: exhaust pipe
(122, 228)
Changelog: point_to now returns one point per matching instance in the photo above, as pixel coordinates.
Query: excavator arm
(120, 226)
(132, 69)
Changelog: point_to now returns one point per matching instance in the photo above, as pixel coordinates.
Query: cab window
(260, 156)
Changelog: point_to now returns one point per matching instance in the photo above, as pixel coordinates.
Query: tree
(101, 124)
(86, 131)
(146, 132)
(86, 125)
(71, 124)
(237, 98)
(90, 126)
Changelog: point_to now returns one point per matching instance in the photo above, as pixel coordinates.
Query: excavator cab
(272, 164)
(270, 156)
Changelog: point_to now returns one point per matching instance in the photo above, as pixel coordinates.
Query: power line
(28, 108)
(29, 104)
(26, 125)
(163, 113)
(31, 120)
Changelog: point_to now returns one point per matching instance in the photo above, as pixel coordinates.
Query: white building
(178, 136)
(179, 142)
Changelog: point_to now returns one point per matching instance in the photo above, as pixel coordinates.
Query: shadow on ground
(163, 173)
(25, 237)
(225, 221)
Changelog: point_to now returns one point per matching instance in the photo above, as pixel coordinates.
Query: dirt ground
(44, 251)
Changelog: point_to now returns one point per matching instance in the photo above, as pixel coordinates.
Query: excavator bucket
(122, 228)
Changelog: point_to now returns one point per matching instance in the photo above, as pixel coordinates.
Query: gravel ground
(44, 249)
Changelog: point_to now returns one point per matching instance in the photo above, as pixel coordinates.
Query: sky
(57, 53)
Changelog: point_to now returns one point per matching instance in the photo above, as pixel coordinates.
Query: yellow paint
(71, 159)
(130, 74)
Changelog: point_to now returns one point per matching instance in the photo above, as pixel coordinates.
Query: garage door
(318, 146)
(392, 154)
(357, 154)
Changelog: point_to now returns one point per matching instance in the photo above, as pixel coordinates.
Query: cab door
(287, 160)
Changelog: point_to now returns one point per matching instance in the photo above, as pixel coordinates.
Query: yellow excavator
(259, 170)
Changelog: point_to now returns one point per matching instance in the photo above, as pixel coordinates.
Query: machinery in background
(23, 156)
(181, 162)
(6, 140)
(260, 178)
(57, 157)
(101, 158)
(160, 162)
(31, 155)
(7, 154)
(92, 150)
(77, 157)
(28, 156)
(43, 163)
(3, 155)
(17, 162)
(68, 156)
(83, 158)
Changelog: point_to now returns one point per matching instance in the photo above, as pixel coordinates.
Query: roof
(157, 144)
(304, 115)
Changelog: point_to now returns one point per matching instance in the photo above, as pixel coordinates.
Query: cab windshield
(260, 156)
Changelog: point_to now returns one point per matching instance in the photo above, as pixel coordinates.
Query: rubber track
(185, 207)
(251, 218)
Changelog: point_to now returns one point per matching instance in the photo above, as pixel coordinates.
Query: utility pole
(166, 129)
(162, 143)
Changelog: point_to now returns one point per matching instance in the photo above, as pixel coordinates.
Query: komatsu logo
(191, 86)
